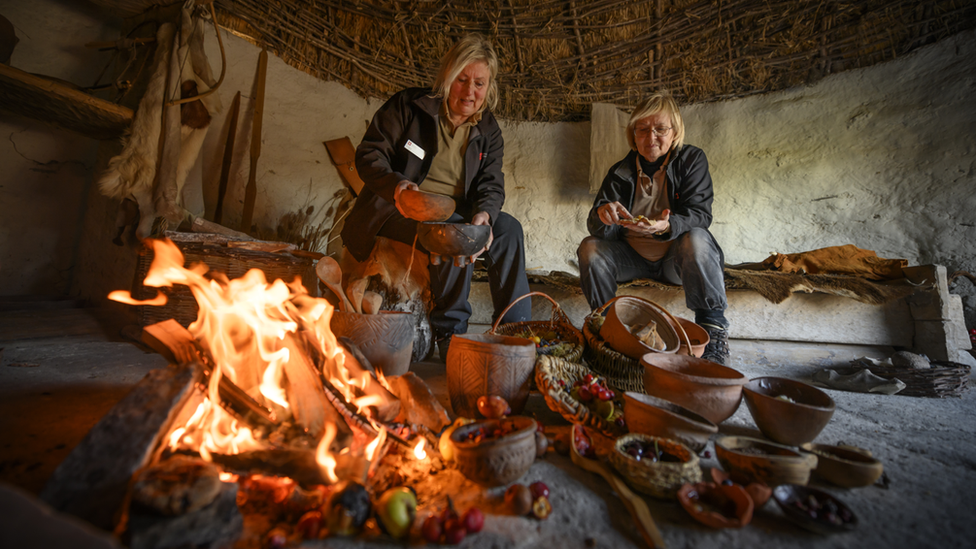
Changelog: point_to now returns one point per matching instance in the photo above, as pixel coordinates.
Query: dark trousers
(694, 261)
(450, 285)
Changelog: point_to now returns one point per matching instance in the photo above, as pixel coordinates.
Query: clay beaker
(486, 364)
(385, 339)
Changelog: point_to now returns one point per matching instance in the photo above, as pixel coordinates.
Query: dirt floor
(62, 368)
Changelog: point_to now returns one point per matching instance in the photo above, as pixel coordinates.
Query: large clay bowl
(487, 364)
(788, 411)
(844, 465)
(627, 313)
(424, 206)
(453, 239)
(495, 461)
(752, 460)
(704, 387)
(650, 415)
(814, 510)
(385, 339)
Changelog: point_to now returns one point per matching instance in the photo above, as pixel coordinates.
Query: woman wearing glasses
(650, 220)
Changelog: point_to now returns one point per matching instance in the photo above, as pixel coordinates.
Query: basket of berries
(655, 466)
(579, 395)
(555, 337)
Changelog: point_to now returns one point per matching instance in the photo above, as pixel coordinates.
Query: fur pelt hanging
(151, 169)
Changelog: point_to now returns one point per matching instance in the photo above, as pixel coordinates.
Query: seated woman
(650, 220)
(446, 141)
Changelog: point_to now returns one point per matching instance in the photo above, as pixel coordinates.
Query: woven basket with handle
(621, 371)
(555, 378)
(558, 323)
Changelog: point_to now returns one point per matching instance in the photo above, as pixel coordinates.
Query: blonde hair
(656, 103)
(469, 49)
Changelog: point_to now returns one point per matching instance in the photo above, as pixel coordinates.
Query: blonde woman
(444, 140)
(650, 220)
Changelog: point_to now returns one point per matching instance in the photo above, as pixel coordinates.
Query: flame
(374, 446)
(258, 334)
(418, 450)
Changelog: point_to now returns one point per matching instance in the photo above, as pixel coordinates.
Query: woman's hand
(482, 218)
(653, 227)
(611, 213)
(396, 194)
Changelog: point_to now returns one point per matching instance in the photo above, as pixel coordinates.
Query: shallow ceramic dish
(627, 313)
(660, 479)
(788, 411)
(650, 415)
(845, 465)
(452, 239)
(717, 505)
(759, 492)
(702, 386)
(495, 461)
(752, 460)
(814, 510)
(425, 206)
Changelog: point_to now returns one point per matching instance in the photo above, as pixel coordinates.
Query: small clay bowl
(496, 461)
(702, 386)
(759, 492)
(452, 239)
(814, 510)
(425, 206)
(787, 411)
(658, 417)
(660, 479)
(752, 460)
(697, 336)
(845, 466)
(717, 505)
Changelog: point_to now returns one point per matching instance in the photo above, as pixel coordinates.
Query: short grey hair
(658, 102)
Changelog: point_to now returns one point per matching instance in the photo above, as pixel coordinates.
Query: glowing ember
(418, 450)
(259, 335)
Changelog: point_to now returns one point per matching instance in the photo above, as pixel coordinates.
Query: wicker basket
(233, 262)
(549, 371)
(658, 479)
(558, 323)
(943, 379)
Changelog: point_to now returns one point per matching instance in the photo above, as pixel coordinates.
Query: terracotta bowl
(627, 312)
(752, 460)
(425, 206)
(660, 479)
(487, 364)
(845, 465)
(796, 502)
(704, 387)
(697, 336)
(717, 505)
(452, 239)
(788, 411)
(495, 461)
(385, 339)
(759, 492)
(650, 415)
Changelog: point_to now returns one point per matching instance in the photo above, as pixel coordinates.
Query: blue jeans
(694, 260)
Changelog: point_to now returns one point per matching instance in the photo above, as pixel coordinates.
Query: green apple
(396, 511)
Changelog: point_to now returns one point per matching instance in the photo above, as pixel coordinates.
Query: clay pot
(717, 505)
(658, 417)
(845, 465)
(627, 312)
(496, 461)
(385, 339)
(752, 460)
(424, 206)
(486, 364)
(787, 411)
(697, 336)
(704, 387)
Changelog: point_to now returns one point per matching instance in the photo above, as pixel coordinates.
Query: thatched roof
(558, 57)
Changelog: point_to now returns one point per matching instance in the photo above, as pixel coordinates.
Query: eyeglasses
(646, 132)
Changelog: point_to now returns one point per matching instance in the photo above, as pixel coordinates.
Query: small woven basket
(659, 479)
(549, 372)
(943, 379)
(558, 323)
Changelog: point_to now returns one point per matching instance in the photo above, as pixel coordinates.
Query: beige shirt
(650, 199)
(446, 174)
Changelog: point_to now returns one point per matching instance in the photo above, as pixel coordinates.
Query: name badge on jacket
(415, 149)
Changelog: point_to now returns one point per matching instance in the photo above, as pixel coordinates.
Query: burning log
(305, 394)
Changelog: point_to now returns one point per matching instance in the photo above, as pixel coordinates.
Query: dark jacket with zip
(384, 159)
(689, 188)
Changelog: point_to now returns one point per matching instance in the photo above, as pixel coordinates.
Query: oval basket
(549, 371)
(621, 372)
(657, 479)
(943, 379)
(558, 323)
